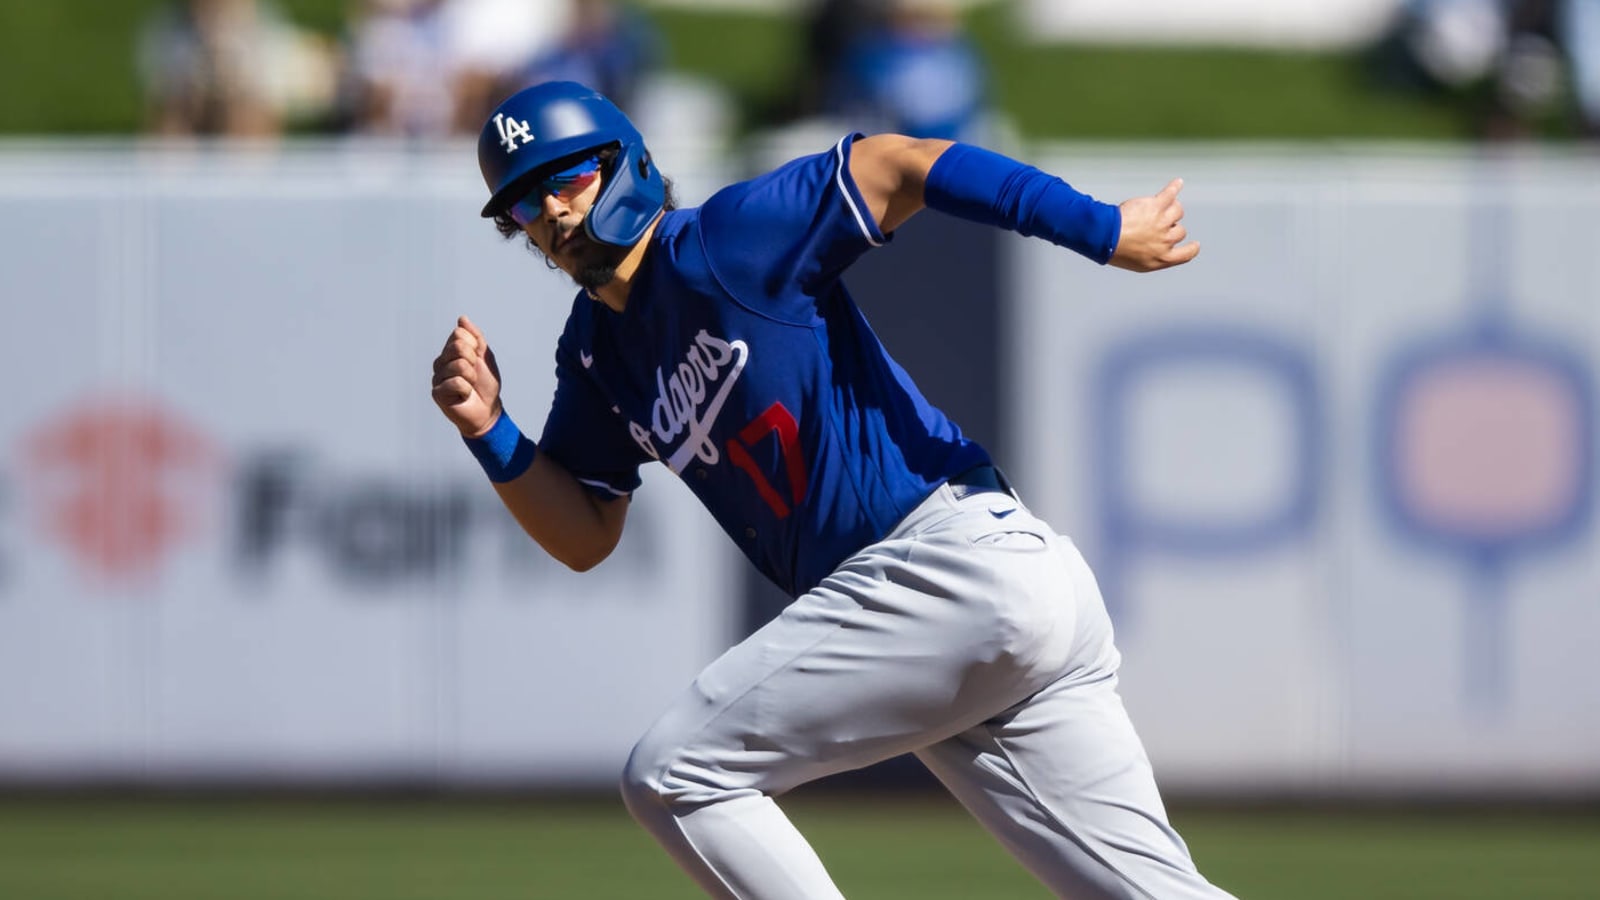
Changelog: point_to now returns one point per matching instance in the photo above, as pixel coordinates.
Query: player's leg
(1062, 780)
(914, 640)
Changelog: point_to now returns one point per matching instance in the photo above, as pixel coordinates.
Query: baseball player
(932, 613)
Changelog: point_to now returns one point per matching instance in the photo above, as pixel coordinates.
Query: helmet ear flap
(630, 199)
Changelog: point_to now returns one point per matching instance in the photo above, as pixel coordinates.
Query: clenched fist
(466, 380)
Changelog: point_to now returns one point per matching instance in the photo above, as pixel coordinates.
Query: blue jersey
(743, 364)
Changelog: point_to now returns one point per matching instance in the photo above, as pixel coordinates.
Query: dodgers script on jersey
(760, 383)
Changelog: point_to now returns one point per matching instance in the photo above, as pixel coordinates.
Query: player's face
(552, 214)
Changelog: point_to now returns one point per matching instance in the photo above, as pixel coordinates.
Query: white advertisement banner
(1337, 475)
(237, 540)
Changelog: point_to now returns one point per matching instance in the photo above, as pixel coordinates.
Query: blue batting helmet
(555, 121)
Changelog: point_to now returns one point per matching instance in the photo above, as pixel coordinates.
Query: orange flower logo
(116, 481)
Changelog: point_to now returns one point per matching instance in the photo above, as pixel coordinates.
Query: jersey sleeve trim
(852, 197)
(602, 486)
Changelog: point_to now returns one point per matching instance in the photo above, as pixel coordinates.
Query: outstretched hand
(466, 380)
(1153, 233)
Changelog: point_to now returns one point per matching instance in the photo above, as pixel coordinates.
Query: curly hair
(510, 230)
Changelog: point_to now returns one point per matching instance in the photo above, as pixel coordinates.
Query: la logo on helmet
(512, 131)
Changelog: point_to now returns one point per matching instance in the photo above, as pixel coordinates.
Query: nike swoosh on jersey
(586, 359)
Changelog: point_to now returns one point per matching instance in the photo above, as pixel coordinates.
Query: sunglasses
(564, 185)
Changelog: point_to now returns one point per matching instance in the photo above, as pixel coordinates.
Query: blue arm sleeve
(982, 186)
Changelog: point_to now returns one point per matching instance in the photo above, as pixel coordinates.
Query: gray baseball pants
(973, 636)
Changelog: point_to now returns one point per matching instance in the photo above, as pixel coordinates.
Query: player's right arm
(571, 523)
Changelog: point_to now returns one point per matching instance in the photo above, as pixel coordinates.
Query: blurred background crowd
(430, 68)
(414, 68)
(1517, 62)
(1494, 69)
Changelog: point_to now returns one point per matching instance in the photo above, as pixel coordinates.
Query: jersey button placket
(750, 533)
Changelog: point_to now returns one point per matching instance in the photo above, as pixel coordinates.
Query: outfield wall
(240, 543)
(1336, 477)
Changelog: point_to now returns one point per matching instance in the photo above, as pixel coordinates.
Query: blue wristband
(982, 186)
(503, 451)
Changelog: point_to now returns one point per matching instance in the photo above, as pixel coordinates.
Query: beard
(595, 276)
(596, 263)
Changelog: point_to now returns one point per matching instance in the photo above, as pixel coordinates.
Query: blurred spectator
(917, 74)
(832, 28)
(430, 67)
(608, 46)
(1578, 25)
(1515, 63)
(400, 69)
(234, 68)
(1530, 78)
(1454, 43)
(491, 41)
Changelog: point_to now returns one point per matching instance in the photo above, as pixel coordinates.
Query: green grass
(1457, 854)
(879, 848)
(68, 67)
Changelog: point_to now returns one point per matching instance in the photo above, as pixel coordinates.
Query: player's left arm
(898, 176)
